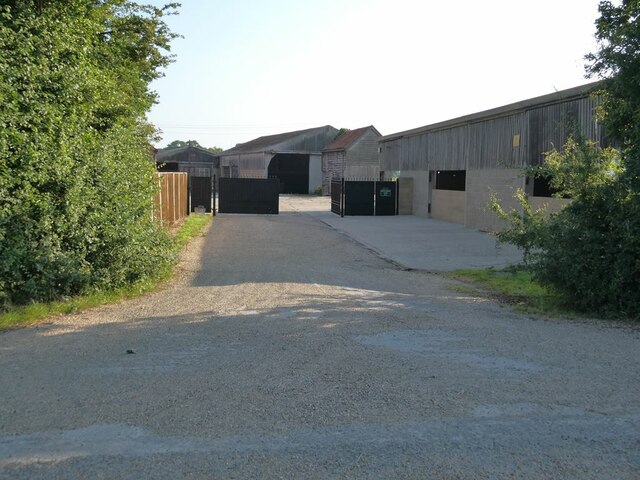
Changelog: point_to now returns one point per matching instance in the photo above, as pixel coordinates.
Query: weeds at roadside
(513, 286)
(193, 226)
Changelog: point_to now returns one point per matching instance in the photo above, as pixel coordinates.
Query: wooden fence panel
(170, 202)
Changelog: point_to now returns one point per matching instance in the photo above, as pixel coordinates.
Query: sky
(248, 68)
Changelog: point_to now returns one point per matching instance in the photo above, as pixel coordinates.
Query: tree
(617, 61)
(191, 143)
(590, 251)
(182, 144)
(341, 132)
(214, 150)
(75, 172)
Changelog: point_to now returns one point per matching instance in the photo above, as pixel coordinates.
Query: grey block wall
(448, 205)
(550, 204)
(480, 184)
(405, 196)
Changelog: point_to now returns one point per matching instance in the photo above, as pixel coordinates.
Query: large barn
(293, 157)
(451, 167)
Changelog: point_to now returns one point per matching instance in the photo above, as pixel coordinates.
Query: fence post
(342, 197)
(160, 195)
(173, 191)
(189, 192)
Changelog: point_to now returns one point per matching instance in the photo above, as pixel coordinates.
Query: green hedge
(75, 159)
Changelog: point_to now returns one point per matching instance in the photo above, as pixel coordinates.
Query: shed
(293, 157)
(196, 161)
(201, 165)
(452, 167)
(353, 154)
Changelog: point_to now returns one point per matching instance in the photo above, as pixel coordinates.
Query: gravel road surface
(284, 349)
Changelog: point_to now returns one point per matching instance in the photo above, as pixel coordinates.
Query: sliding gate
(364, 197)
(249, 195)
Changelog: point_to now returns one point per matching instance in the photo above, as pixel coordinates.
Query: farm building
(200, 164)
(353, 154)
(449, 169)
(293, 157)
(197, 162)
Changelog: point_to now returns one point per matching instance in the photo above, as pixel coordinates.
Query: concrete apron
(412, 242)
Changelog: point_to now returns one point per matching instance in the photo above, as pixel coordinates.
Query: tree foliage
(191, 143)
(75, 164)
(580, 251)
(590, 251)
(617, 61)
(341, 132)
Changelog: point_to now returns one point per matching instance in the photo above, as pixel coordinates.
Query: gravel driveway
(286, 350)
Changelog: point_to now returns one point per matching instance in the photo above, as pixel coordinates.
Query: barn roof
(165, 154)
(510, 109)
(270, 143)
(348, 138)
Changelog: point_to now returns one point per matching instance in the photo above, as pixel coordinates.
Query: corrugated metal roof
(552, 98)
(271, 142)
(166, 153)
(347, 138)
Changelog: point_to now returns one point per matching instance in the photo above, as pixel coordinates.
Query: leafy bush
(590, 251)
(75, 170)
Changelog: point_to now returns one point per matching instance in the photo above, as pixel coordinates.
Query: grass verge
(29, 314)
(192, 227)
(514, 286)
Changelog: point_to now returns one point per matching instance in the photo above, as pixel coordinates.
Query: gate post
(397, 196)
(214, 190)
(190, 191)
(375, 196)
(342, 196)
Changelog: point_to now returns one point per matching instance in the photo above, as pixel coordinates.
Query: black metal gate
(386, 198)
(249, 195)
(364, 197)
(359, 198)
(200, 193)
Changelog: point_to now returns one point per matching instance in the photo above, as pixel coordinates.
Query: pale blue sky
(248, 68)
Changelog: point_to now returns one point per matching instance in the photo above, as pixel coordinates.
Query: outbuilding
(202, 167)
(196, 161)
(354, 154)
(448, 170)
(292, 157)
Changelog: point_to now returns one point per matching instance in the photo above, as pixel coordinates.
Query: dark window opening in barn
(451, 180)
(292, 169)
(168, 167)
(542, 187)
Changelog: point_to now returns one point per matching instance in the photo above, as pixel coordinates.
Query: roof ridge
(349, 137)
(269, 141)
(500, 111)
